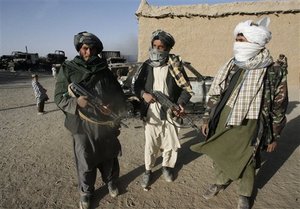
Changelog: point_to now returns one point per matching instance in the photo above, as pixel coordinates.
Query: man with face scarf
(95, 141)
(161, 72)
(246, 111)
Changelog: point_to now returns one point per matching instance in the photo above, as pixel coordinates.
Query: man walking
(246, 111)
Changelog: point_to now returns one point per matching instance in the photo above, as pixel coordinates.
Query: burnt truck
(200, 85)
(19, 61)
(53, 60)
(58, 57)
(116, 63)
(31, 61)
(5, 61)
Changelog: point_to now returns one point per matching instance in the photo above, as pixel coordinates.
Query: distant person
(54, 71)
(246, 111)
(161, 72)
(11, 66)
(40, 94)
(95, 134)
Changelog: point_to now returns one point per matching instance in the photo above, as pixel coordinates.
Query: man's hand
(105, 110)
(204, 129)
(82, 101)
(148, 98)
(180, 112)
(271, 147)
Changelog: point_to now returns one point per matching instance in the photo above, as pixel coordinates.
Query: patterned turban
(89, 39)
(166, 38)
(255, 32)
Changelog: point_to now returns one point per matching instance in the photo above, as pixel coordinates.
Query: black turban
(166, 38)
(89, 39)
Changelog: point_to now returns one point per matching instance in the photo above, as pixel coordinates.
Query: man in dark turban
(94, 133)
(157, 56)
(88, 39)
(166, 38)
(161, 72)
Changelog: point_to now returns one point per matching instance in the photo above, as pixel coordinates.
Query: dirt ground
(37, 168)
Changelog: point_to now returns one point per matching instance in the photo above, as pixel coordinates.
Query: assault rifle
(95, 102)
(165, 102)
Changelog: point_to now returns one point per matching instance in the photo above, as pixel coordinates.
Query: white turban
(255, 32)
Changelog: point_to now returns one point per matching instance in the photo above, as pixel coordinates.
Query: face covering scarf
(243, 51)
(158, 58)
(251, 56)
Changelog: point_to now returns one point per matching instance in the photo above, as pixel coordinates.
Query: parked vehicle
(5, 61)
(31, 61)
(19, 61)
(125, 77)
(116, 63)
(58, 57)
(200, 85)
(52, 60)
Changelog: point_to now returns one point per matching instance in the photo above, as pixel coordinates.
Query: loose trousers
(245, 182)
(89, 157)
(162, 138)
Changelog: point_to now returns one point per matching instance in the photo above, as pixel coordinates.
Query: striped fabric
(39, 91)
(174, 68)
(245, 100)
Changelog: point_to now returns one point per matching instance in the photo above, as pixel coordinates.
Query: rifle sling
(104, 123)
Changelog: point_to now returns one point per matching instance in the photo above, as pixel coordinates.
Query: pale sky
(48, 25)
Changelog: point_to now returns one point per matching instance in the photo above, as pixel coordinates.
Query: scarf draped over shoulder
(245, 100)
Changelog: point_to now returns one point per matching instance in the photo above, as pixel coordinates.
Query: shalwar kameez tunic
(160, 134)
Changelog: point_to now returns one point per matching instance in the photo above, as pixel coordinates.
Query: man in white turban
(246, 111)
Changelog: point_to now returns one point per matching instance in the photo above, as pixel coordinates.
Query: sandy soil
(37, 168)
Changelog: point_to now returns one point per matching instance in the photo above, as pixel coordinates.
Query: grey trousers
(93, 151)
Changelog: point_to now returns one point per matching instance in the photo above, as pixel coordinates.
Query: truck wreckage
(31, 61)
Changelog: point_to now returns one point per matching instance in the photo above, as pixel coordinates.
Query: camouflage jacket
(274, 103)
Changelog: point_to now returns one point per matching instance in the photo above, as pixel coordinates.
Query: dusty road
(37, 168)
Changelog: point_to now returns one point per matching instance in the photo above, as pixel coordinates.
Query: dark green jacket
(97, 78)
